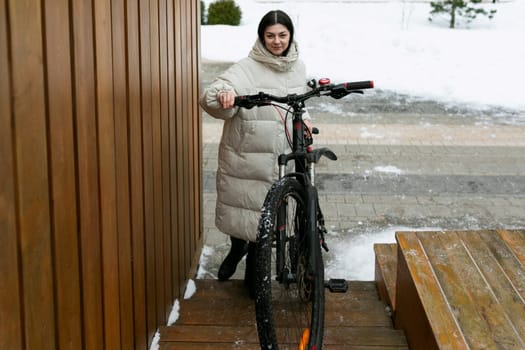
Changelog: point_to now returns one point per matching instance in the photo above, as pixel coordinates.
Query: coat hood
(278, 63)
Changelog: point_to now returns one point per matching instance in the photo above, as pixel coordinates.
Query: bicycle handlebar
(324, 89)
(358, 85)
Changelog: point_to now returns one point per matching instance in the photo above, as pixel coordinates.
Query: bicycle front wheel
(289, 272)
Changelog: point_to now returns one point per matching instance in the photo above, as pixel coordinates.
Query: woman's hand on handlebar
(226, 99)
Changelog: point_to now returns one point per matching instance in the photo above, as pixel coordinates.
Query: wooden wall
(100, 177)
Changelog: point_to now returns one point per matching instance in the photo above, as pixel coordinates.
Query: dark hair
(275, 17)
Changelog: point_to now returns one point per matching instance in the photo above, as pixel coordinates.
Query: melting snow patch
(369, 135)
(174, 314)
(207, 251)
(155, 342)
(190, 289)
(353, 257)
(388, 169)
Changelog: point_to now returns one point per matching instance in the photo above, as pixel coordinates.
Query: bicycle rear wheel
(289, 272)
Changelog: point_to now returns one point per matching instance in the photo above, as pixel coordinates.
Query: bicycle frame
(304, 157)
(299, 149)
(305, 174)
(299, 242)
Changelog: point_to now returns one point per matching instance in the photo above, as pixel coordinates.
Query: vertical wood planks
(94, 153)
(120, 98)
(194, 147)
(179, 143)
(106, 153)
(149, 210)
(184, 161)
(11, 318)
(164, 150)
(136, 170)
(88, 198)
(197, 131)
(157, 158)
(63, 174)
(32, 173)
(174, 242)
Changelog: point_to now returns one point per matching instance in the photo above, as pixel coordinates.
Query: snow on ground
(394, 44)
(191, 288)
(206, 253)
(155, 342)
(390, 169)
(174, 314)
(352, 258)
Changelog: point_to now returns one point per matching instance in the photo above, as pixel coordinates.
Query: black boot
(249, 273)
(238, 249)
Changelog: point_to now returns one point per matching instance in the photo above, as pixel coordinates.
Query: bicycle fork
(313, 238)
(318, 230)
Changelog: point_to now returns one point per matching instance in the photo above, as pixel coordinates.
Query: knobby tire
(285, 308)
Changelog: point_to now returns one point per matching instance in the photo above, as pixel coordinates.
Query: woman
(252, 138)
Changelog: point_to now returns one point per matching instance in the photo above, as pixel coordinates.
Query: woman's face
(276, 39)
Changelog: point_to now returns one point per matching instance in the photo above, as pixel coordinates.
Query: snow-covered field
(394, 44)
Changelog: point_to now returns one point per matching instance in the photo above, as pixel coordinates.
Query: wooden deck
(221, 316)
(456, 290)
(446, 290)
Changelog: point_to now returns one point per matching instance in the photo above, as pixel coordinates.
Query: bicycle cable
(285, 121)
(308, 132)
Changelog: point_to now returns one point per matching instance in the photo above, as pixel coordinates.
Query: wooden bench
(461, 290)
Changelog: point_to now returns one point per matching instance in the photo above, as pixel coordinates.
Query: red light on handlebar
(324, 81)
(371, 84)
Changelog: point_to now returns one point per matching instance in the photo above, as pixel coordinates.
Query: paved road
(403, 161)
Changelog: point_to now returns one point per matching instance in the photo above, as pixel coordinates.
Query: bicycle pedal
(337, 285)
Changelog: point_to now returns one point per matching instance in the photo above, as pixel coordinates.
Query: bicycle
(289, 270)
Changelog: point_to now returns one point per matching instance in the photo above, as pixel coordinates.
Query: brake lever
(338, 95)
(341, 94)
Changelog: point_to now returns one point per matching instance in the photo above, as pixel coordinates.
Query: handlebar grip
(359, 85)
(238, 100)
(250, 101)
(243, 101)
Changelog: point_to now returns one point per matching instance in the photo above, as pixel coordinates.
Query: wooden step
(462, 290)
(386, 272)
(247, 335)
(221, 316)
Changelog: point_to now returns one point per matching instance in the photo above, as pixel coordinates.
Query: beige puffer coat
(251, 138)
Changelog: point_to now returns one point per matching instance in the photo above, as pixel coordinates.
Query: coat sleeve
(231, 80)
(211, 105)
